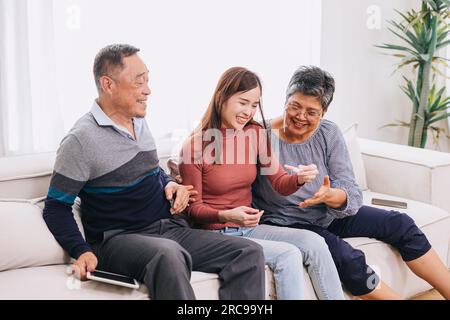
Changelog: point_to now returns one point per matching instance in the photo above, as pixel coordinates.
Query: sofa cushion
(424, 173)
(53, 282)
(24, 237)
(351, 140)
(56, 283)
(206, 285)
(387, 262)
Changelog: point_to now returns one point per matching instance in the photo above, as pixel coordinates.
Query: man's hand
(243, 216)
(305, 174)
(184, 195)
(86, 262)
(321, 196)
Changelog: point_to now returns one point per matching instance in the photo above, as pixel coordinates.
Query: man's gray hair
(111, 57)
(312, 81)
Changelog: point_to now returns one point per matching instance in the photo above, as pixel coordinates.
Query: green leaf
(399, 48)
(446, 4)
(435, 99)
(442, 117)
(410, 96)
(439, 72)
(398, 55)
(405, 63)
(442, 106)
(442, 35)
(414, 22)
(407, 19)
(399, 124)
(432, 4)
(413, 44)
(410, 92)
(443, 44)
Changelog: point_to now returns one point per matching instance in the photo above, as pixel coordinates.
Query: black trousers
(163, 255)
(392, 227)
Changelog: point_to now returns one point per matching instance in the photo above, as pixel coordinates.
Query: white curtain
(30, 119)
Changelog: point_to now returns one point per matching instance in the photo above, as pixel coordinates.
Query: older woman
(331, 205)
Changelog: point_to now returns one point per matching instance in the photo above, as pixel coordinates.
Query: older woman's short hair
(312, 81)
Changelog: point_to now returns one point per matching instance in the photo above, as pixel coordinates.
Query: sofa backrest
(27, 176)
(352, 142)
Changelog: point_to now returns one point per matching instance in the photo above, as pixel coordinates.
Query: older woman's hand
(305, 174)
(320, 196)
(332, 197)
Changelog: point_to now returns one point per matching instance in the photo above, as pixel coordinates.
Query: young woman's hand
(243, 216)
(305, 174)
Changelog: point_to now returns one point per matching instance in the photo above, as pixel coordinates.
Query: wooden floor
(429, 295)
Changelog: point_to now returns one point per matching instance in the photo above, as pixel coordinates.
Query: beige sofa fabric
(25, 240)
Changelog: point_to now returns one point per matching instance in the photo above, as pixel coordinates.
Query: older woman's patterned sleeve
(341, 174)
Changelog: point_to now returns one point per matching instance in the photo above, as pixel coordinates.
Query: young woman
(331, 205)
(223, 171)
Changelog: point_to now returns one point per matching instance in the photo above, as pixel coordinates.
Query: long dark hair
(232, 81)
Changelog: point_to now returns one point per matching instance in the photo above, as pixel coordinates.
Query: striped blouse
(326, 149)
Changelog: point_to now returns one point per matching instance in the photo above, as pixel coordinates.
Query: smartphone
(389, 203)
(113, 278)
(172, 201)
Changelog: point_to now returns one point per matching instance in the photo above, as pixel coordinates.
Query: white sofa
(33, 265)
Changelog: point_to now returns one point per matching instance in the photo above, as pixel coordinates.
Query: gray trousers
(163, 255)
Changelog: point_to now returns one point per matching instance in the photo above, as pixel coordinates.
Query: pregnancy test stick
(295, 169)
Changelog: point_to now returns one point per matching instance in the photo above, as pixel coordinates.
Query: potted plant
(425, 35)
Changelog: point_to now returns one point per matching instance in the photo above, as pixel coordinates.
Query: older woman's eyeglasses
(296, 110)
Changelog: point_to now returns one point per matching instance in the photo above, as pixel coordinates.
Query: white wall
(366, 92)
(186, 45)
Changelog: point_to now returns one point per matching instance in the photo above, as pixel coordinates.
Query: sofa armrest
(408, 172)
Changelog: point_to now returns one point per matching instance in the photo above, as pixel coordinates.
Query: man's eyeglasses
(295, 110)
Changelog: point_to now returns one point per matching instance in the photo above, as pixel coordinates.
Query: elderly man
(109, 160)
